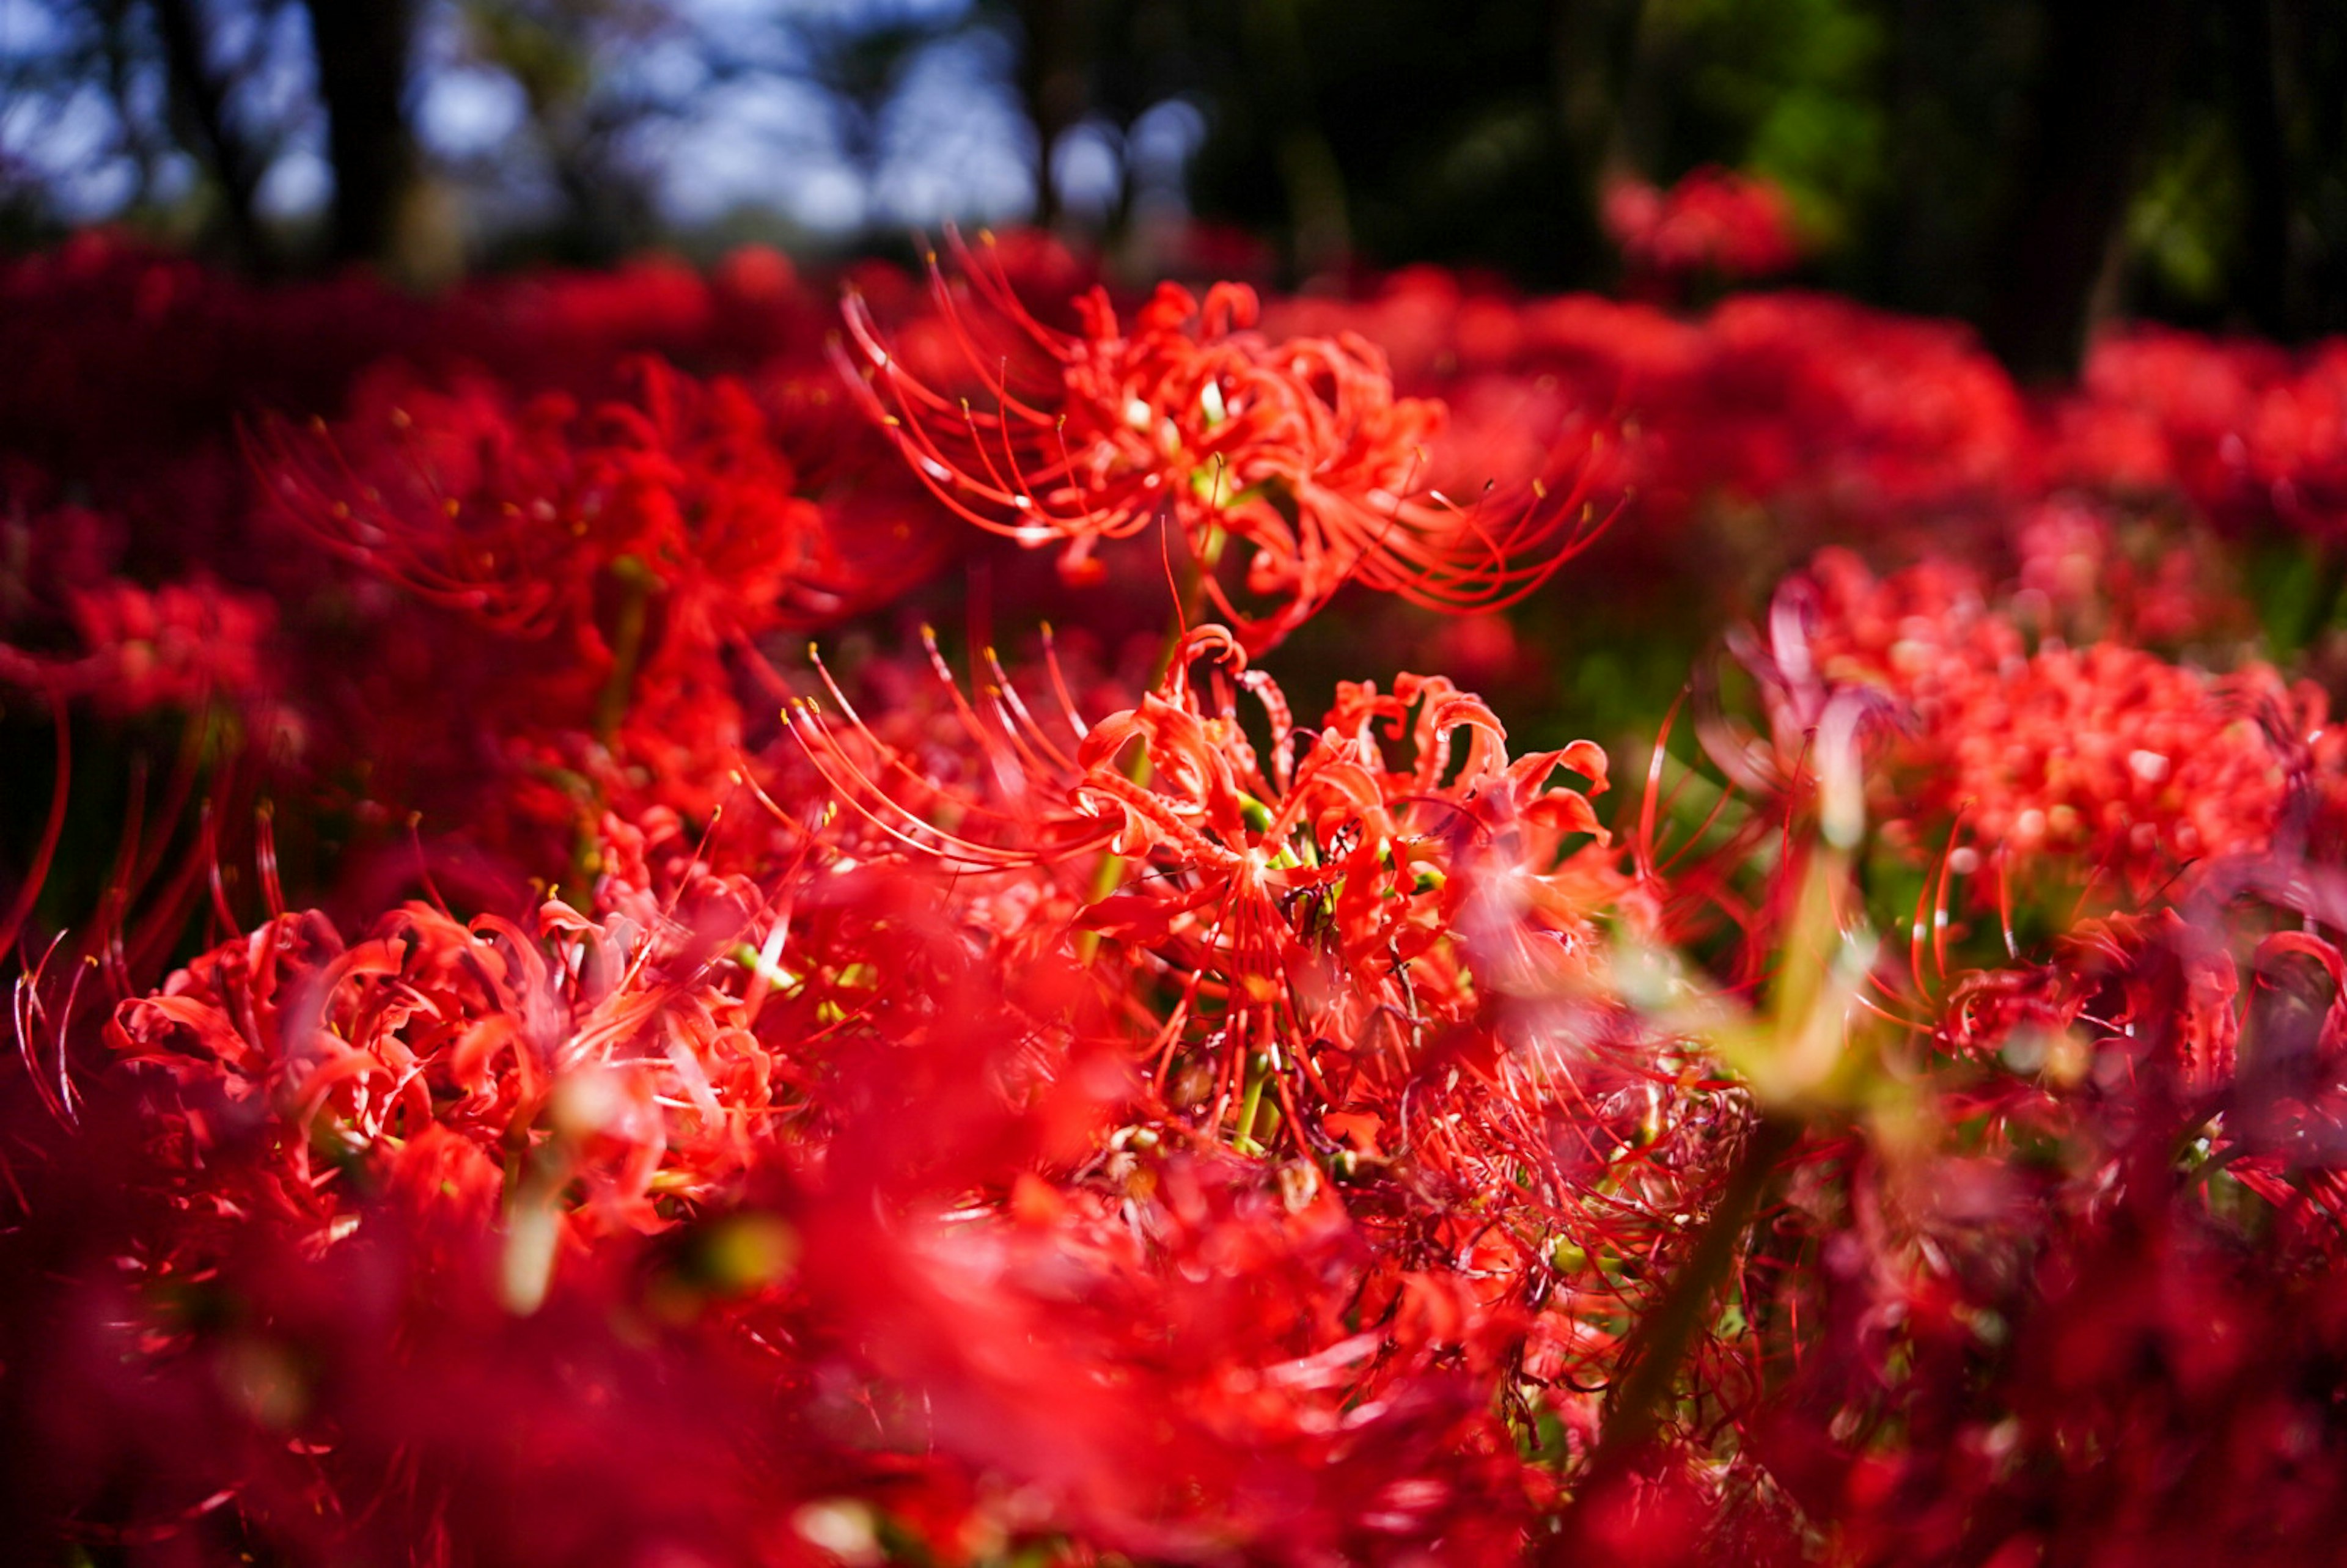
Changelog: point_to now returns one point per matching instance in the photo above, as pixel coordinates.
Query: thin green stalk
(1258, 1073)
(636, 584)
(1635, 1407)
(1191, 600)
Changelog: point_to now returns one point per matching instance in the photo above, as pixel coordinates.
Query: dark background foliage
(2030, 165)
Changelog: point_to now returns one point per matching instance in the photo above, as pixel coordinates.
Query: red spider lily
(2160, 1004)
(1831, 416)
(215, 1385)
(1314, 893)
(2109, 1286)
(625, 1057)
(2106, 755)
(1715, 221)
(1387, 960)
(514, 516)
(1306, 895)
(614, 568)
(2148, 987)
(1162, 1357)
(1298, 451)
(180, 646)
(1190, 1353)
(2101, 585)
(2252, 433)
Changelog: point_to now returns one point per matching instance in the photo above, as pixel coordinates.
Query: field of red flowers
(949, 917)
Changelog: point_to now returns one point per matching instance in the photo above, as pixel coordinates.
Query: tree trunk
(363, 49)
(202, 100)
(1590, 43)
(1053, 76)
(2265, 293)
(2102, 73)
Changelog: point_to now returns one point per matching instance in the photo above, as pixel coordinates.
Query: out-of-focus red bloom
(2108, 756)
(1713, 220)
(1298, 451)
(2251, 433)
(1832, 417)
(178, 646)
(2127, 1220)
(2086, 574)
(512, 514)
(1813, 400)
(599, 579)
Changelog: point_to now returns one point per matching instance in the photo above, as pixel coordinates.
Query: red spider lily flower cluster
(428, 1030)
(513, 1058)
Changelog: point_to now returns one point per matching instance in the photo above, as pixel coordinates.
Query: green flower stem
(1635, 1407)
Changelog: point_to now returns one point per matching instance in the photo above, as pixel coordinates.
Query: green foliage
(1791, 90)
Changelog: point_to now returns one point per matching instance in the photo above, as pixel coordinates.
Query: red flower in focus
(1298, 451)
(1322, 891)
(623, 1058)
